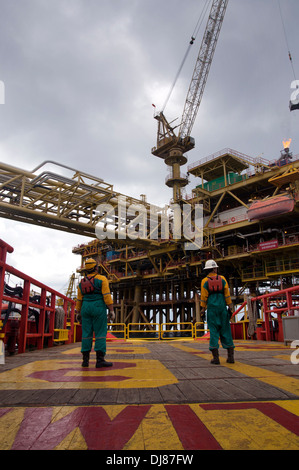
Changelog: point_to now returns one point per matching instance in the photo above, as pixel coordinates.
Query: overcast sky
(80, 79)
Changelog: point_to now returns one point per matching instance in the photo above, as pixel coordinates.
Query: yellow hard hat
(90, 264)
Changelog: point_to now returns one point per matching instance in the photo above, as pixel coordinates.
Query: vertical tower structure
(171, 147)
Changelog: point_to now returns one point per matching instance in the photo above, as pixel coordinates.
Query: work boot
(101, 361)
(230, 356)
(215, 359)
(85, 362)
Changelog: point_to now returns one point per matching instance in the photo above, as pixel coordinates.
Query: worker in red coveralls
(215, 298)
(93, 299)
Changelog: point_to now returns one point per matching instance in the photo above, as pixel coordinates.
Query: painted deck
(158, 396)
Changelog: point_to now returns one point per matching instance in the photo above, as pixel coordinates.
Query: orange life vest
(87, 285)
(215, 284)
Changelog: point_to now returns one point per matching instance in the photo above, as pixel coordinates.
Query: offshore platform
(248, 216)
(249, 222)
(250, 227)
(162, 396)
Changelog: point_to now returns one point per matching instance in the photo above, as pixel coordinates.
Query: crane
(172, 145)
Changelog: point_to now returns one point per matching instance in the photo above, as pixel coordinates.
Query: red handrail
(265, 299)
(26, 303)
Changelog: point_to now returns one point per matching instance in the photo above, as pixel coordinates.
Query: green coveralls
(218, 318)
(94, 319)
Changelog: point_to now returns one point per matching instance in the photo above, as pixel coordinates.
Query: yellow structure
(250, 227)
(160, 282)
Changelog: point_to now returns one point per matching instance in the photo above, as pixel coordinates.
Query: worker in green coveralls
(93, 299)
(215, 297)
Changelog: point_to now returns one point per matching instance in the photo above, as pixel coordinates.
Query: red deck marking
(3, 411)
(112, 435)
(261, 346)
(34, 423)
(116, 365)
(197, 352)
(99, 431)
(192, 433)
(59, 375)
(283, 417)
(121, 350)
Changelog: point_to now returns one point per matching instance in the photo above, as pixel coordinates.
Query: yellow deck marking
(142, 374)
(155, 432)
(260, 346)
(289, 384)
(291, 406)
(127, 349)
(61, 412)
(243, 429)
(74, 440)
(285, 357)
(246, 429)
(10, 424)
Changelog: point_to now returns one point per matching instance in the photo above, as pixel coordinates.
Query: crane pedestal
(176, 179)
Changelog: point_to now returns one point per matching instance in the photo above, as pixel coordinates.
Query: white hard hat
(210, 264)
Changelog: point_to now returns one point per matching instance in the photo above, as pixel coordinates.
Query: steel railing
(44, 308)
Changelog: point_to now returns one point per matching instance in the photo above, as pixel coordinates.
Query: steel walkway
(159, 396)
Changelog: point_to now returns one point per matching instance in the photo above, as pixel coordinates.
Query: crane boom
(172, 145)
(202, 66)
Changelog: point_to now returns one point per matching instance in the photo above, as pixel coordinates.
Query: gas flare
(286, 143)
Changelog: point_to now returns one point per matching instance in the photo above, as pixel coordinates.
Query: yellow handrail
(123, 330)
(196, 330)
(152, 331)
(173, 330)
(63, 335)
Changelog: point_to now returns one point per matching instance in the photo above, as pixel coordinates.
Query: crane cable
(286, 39)
(193, 37)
